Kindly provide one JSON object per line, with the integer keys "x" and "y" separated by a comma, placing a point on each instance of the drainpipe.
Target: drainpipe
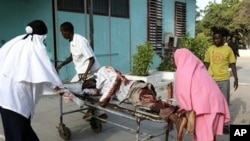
{"x": 55, "y": 34}
{"x": 91, "y": 24}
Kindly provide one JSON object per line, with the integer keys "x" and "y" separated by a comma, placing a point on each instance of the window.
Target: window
{"x": 120, "y": 8}
{"x": 180, "y": 19}
{"x": 71, "y": 5}
{"x": 114, "y": 8}
{"x": 155, "y": 23}
{"x": 101, "y": 7}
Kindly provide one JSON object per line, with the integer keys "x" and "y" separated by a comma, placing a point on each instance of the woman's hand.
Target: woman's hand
{"x": 59, "y": 90}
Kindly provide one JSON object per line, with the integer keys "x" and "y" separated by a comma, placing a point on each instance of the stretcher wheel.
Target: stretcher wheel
{"x": 96, "y": 125}
{"x": 64, "y": 132}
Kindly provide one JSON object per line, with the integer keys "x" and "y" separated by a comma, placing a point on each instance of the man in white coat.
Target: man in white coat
{"x": 81, "y": 53}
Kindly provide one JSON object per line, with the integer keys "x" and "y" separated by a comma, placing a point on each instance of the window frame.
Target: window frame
{"x": 154, "y": 22}
{"x": 180, "y": 19}
{"x": 108, "y": 8}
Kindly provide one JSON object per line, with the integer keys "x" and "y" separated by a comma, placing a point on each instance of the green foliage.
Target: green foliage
{"x": 215, "y": 15}
{"x": 166, "y": 65}
{"x": 197, "y": 45}
{"x": 231, "y": 14}
{"x": 143, "y": 59}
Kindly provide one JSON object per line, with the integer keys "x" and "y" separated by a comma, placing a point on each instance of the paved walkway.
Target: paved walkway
{"x": 47, "y": 117}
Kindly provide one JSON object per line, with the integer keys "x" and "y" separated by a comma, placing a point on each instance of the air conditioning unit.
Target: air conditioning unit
{"x": 168, "y": 40}
{"x": 177, "y": 41}
{"x": 172, "y": 41}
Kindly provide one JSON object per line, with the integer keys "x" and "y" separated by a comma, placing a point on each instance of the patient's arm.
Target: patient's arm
{"x": 106, "y": 96}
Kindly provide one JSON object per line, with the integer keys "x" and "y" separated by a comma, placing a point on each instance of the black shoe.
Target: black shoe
{"x": 226, "y": 130}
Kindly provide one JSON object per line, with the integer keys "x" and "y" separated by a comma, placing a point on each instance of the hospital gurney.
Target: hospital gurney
{"x": 124, "y": 110}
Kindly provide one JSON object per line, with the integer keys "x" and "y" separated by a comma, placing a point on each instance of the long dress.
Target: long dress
{"x": 196, "y": 90}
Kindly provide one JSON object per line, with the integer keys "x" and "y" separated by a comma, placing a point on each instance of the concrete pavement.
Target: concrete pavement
{"x": 47, "y": 116}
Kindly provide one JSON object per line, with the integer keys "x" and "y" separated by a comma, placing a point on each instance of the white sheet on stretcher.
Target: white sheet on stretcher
{"x": 68, "y": 96}
{"x": 76, "y": 88}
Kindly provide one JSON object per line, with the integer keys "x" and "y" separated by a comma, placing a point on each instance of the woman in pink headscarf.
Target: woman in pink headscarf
{"x": 196, "y": 90}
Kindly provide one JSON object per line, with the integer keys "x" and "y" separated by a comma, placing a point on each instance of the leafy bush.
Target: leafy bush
{"x": 166, "y": 65}
{"x": 143, "y": 59}
{"x": 197, "y": 45}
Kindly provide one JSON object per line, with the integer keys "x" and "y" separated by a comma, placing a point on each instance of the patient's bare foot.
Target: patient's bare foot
{"x": 190, "y": 115}
{"x": 180, "y": 126}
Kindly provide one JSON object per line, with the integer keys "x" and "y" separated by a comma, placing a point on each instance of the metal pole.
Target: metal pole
{"x": 86, "y": 19}
{"x": 55, "y": 35}
{"x": 91, "y": 24}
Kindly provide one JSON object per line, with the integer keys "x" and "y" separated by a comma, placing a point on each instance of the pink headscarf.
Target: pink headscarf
{"x": 195, "y": 89}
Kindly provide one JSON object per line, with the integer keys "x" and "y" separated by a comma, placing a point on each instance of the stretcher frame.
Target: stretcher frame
{"x": 136, "y": 114}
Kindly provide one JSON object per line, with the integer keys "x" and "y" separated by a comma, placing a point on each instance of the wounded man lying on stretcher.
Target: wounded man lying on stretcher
{"x": 110, "y": 82}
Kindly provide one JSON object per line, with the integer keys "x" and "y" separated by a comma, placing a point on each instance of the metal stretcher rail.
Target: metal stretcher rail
{"x": 122, "y": 110}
